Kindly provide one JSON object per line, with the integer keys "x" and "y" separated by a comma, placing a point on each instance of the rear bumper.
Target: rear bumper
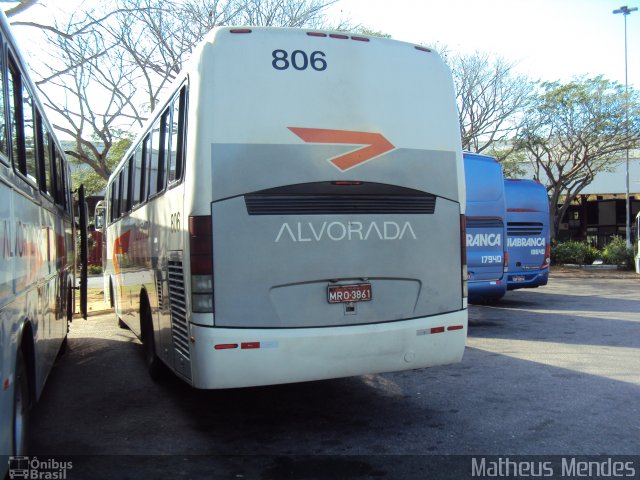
{"x": 487, "y": 290}
{"x": 531, "y": 279}
{"x": 274, "y": 356}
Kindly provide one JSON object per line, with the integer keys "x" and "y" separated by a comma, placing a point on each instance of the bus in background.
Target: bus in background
{"x": 37, "y": 269}
{"x": 528, "y": 242}
{"x": 486, "y": 255}
{"x": 302, "y": 220}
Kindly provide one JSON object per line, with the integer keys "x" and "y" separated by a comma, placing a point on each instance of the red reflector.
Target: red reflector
{"x": 225, "y": 346}
{"x": 316, "y": 34}
{"x": 201, "y": 264}
{"x": 200, "y": 226}
{"x": 423, "y": 49}
{"x": 346, "y": 182}
{"x": 240, "y": 30}
{"x": 360, "y": 39}
{"x": 336, "y": 35}
{"x": 437, "y": 330}
{"x": 246, "y": 345}
{"x": 201, "y": 245}
{"x": 455, "y": 327}
{"x": 199, "y": 248}
{"x": 6, "y": 384}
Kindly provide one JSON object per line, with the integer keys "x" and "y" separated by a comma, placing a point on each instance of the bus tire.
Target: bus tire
{"x": 155, "y": 366}
{"x": 20, "y": 406}
{"x": 111, "y": 299}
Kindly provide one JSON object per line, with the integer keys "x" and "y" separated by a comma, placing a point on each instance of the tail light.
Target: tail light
{"x": 463, "y": 255}
{"x": 506, "y": 262}
{"x": 201, "y": 247}
{"x": 547, "y": 256}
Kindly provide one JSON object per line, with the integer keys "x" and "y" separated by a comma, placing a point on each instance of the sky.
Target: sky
{"x": 547, "y": 39}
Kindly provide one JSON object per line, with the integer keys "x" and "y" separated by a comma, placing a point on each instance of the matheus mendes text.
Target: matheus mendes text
{"x": 568, "y": 467}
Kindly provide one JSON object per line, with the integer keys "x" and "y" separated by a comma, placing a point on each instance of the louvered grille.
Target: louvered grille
{"x": 524, "y": 228}
{"x": 266, "y": 204}
{"x": 160, "y": 293}
{"x": 179, "y": 326}
{"x": 481, "y": 222}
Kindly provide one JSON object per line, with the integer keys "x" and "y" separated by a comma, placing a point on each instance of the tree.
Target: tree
{"x": 112, "y": 63}
{"x": 93, "y": 182}
{"x": 22, "y": 6}
{"x": 573, "y": 131}
{"x": 491, "y": 99}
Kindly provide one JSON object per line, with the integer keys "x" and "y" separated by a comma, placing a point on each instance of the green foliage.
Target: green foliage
{"x": 362, "y": 30}
{"x": 581, "y": 253}
{"x": 94, "y": 269}
{"x": 573, "y": 252}
{"x": 617, "y": 253}
{"x": 574, "y": 131}
{"x": 512, "y": 162}
{"x": 93, "y": 182}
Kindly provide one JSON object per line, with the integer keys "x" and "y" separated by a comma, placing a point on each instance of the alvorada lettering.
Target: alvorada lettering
{"x": 337, "y": 231}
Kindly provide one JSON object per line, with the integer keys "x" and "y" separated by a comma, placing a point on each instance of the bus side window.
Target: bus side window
{"x": 163, "y": 149}
{"x": 4, "y": 153}
{"x": 29, "y": 135}
{"x": 112, "y": 204}
{"x": 59, "y": 180}
{"x": 15, "y": 116}
{"x": 22, "y": 124}
{"x": 153, "y": 150}
{"x": 45, "y": 178}
{"x": 138, "y": 176}
{"x": 177, "y": 137}
{"x": 124, "y": 174}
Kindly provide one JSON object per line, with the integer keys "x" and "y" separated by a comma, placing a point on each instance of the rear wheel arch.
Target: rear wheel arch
{"x": 112, "y": 301}
{"x": 155, "y": 366}
{"x": 27, "y": 349}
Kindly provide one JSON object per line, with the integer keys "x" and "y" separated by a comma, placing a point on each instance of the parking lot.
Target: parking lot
{"x": 547, "y": 371}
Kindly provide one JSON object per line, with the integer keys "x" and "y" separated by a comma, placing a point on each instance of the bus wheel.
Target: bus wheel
{"x": 20, "y": 406}
{"x": 154, "y": 364}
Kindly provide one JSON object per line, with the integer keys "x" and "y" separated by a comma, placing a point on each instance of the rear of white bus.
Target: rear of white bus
{"x": 326, "y": 213}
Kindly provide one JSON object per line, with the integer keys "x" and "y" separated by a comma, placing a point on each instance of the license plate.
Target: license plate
{"x": 518, "y": 278}
{"x": 360, "y": 292}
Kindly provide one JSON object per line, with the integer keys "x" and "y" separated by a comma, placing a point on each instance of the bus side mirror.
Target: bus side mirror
{"x": 99, "y": 220}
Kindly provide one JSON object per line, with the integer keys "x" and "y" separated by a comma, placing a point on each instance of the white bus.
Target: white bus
{"x": 37, "y": 232}
{"x": 292, "y": 212}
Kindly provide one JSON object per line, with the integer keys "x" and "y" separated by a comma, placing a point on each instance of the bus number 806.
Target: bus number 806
{"x": 298, "y": 60}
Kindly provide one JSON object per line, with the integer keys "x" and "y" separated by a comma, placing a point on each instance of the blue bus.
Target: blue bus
{"x": 527, "y": 233}
{"x": 486, "y": 210}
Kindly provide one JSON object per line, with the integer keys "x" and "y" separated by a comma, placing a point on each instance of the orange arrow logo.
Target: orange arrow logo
{"x": 374, "y": 144}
